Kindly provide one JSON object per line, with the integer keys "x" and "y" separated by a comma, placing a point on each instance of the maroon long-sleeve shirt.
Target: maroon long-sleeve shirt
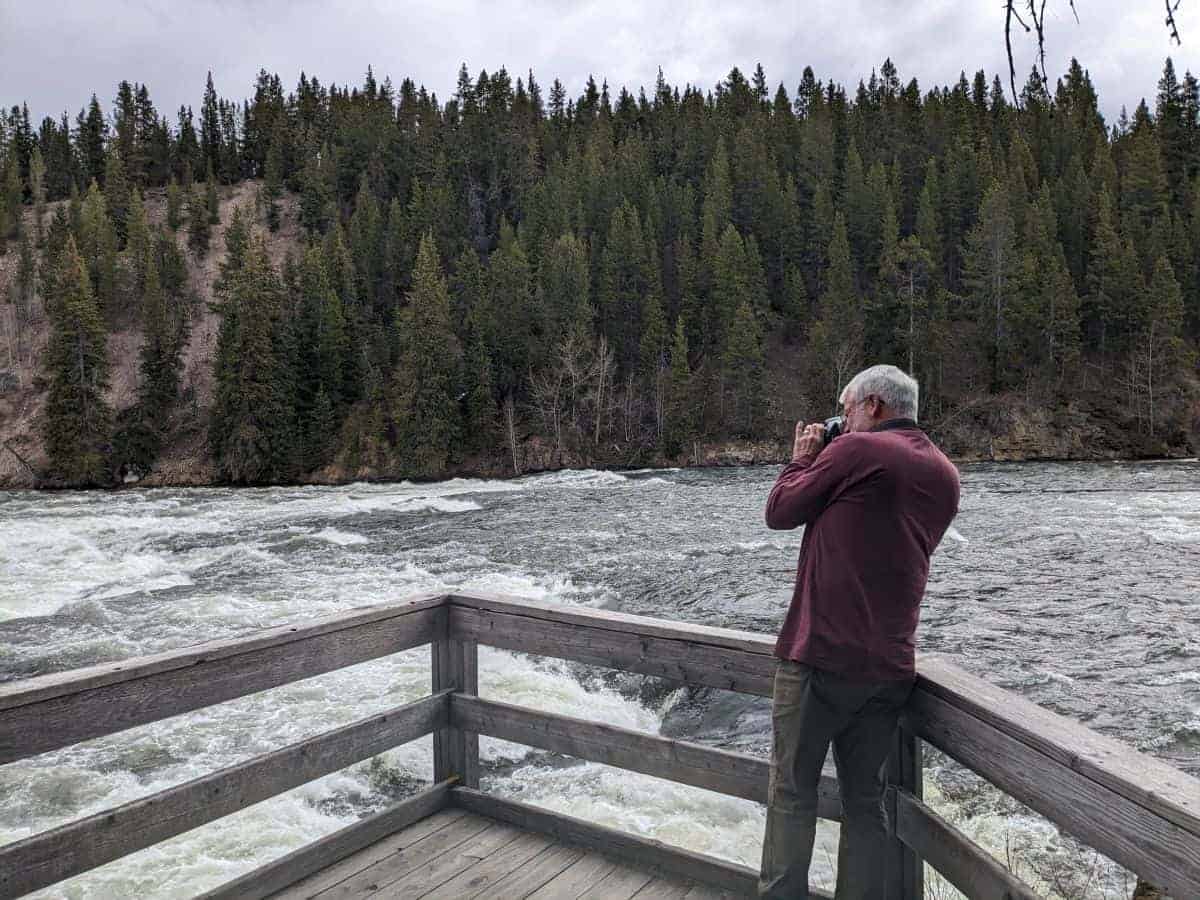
{"x": 875, "y": 505}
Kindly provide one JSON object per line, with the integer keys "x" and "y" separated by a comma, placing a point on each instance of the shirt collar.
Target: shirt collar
{"x": 890, "y": 424}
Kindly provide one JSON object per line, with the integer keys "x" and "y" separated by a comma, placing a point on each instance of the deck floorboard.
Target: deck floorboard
{"x": 459, "y": 855}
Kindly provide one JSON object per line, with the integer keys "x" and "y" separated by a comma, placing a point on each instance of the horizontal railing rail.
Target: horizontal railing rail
{"x": 1136, "y": 810}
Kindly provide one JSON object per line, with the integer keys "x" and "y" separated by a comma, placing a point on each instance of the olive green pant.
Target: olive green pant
{"x": 811, "y": 709}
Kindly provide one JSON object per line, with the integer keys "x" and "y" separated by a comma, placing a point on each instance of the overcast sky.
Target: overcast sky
{"x": 55, "y": 54}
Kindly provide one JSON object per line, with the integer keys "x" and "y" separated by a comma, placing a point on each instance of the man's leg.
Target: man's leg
{"x": 860, "y": 751}
{"x": 803, "y": 724}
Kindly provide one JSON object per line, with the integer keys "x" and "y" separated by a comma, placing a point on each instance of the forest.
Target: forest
{"x": 615, "y": 278}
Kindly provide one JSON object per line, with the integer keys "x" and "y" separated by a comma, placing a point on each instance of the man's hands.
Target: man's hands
{"x": 810, "y": 439}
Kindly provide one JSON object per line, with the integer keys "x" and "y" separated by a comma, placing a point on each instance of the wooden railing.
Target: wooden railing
{"x": 1138, "y": 811}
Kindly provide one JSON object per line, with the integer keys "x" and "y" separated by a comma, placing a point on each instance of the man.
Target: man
{"x": 875, "y": 502}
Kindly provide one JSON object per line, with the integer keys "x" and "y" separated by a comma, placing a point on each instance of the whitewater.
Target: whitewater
{"x": 1074, "y": 584}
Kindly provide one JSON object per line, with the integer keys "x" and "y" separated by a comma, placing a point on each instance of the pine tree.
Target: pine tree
{"x": 10, "y": 223}
{"x": 742, "y": 362}
{"x": 37, "y": 190}
{"x": 116, "y": 194}
{"x": 836, "y": 338}
{"x": 322, "y": 347}
{"x": 424, "y": 407}
{"x": 565, "y": 285}
{"x": 174, "y": 205}
{"x": 683, "y": 416}
{"x": 1113, "y": 284}
{"x": 98, "y": 247}
{"x": 929, "y": 224}
{"x": 199, "y": 226}
{"x": 273, "y": 186}
{"x": 137, "y": 240}
{"x": 252, "y": 421}
{"x": 1046, "y": 314}
{"x": 1159, "y": 349}
{"x": 990, "y": 259}
{"x": 78, "y": 421}
{"x": 211, "y": 202}
{"x": 513, "y": 338}
{"x": 481, "y": 413}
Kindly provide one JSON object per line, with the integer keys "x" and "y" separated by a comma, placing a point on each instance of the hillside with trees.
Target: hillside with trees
{"x": 341, "y": 282}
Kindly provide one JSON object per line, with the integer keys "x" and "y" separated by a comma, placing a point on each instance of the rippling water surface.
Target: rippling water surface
{"x": 1076, "y": 585}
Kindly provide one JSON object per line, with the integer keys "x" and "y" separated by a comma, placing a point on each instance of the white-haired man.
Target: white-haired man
{"x": 875, "y": 502}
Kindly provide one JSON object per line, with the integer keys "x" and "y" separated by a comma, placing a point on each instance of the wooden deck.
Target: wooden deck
{"x": 454, "y": 854}
{"x": 454, "y": 840}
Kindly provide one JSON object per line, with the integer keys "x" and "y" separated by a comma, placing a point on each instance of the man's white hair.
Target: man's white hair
{"x": 892, "y": 386}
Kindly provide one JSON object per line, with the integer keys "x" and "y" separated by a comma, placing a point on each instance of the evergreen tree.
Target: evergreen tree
{"x": 929, "y": 223}
{"x": 1046, "y": 314}
{"x": 990, "y": 259}
{"x": 137, "y": 240}
{"x": 98, "y": 247}
{"x": 116, "y": 194}
{"x": 1160, "y": 353}
{"x": 37, "y": 190}
{"x": 174, "y": 205}
{"x": 836, "y": 338}
{"x": 212, "y": 203}
{"x": 564, "y": 282}
{"x": 252, "y": 432}
{"x": 1113, "y": 284}
{"x": 424, "y": 407}
{"x": 10, "y": 223}
{"x": 683, "y": 417}
{"x": 742, "y": 362}
{"x": 321, "y": 342}
{"x": 199, "y": 226}
{"x": 160, "y": 361}
{"x": 273, "y": 185}
{"x": 78, "y": 421}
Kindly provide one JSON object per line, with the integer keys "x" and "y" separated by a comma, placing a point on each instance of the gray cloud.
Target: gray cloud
{"x": 55, "y": 55}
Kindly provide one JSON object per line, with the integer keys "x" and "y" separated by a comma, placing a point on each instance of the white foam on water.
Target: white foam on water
{"x": 341, "y": 538}
{"x": 577, "y": 478}
{"x": 955, "y": 535}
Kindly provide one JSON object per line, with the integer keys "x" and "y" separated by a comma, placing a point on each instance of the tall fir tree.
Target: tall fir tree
{"x": 78, "y": 421}
{"x": 424, "y": 407}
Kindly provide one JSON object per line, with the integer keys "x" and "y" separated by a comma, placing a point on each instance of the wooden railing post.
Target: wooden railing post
{"x": 456, "y": 752}
{"x": 905, "y": 869}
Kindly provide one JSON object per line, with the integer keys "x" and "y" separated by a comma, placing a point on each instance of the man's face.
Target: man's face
{"x": 860, "y": 414}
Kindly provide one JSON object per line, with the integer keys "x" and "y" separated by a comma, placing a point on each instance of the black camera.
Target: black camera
{"x": 834, "y": 427}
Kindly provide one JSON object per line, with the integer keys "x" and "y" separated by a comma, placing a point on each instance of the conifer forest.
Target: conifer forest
{"x": 398, "y": 285}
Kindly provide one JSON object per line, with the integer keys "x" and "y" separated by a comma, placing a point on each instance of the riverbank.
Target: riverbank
{"x": 991, "y": 429}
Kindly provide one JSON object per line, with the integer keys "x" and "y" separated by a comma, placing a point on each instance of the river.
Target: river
{"x": 1076, "y": 585}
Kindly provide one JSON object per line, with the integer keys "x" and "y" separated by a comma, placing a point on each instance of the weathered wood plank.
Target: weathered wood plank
{"x": 735, "y": 774}
{"x": 435, "y": 872}
{"x": 51, "y": 856}
{"x": 387, "y": 846}
{"x": 704, "y": 892}
{"x": 484, "y": 875}
{"x": 960, "y": 860}
{"x": 1141, "y": 778}
{"x": 647, "y": 626}
{"x": 455, "y": 750}
{"x": 323, "y": 855}
{"x": 905, "y": 871}
{"x": 542, "y": 869}
{"x": 1121, "y": 829}
{"x": 677, "y": 659}
{"x": 395, "y": 866}
{"x": 630, "y": 848}
{"x": 576, "y": 878}
{"x": 619, "y": 884}
{"x": 53, "y": 711}
{"x": 662, "y": 888}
